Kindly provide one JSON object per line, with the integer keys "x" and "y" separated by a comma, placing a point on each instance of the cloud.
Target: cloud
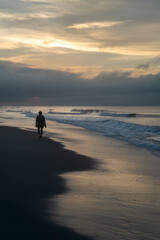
{"x": 144, "y": 66}
{"x": 20, "y": 83}
{"x": 94, "y": 25}
{"x": 47, "y": 28}
{"x": 152, "y": 62}
{"x": 138, "y": 35}
{"x": 28, "y": 16}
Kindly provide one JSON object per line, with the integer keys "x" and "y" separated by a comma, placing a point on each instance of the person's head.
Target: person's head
{"x": 40, "y": 112}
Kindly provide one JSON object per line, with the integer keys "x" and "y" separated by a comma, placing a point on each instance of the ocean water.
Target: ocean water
{"x": 139, "y": 126}
{"x": 120, "y": 198}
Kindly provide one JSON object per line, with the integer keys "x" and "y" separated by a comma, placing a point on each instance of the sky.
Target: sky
{"x": 80, "y": 52}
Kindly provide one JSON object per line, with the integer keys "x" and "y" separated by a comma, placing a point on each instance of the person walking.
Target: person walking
{"x": 40, "y": 123}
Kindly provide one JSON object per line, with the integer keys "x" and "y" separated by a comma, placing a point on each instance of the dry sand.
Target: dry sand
{"x": 29, "y": 175}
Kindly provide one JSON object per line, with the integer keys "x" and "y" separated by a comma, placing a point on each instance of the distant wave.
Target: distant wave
{"x": 104, "y": 113}
{"x": 29, "y": 114}
{"x": 110, "y": 114}
{"x": 65, "y": 113}
{"x": 85, "y": 111}
{"x": 6, "y": 117}
{"x": 89, "y": 111}
{"x": 13, "y": 111}
{"x": 77, "y": 112}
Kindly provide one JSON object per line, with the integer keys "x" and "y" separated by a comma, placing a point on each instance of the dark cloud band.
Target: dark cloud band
{"x": 20, "y": 83}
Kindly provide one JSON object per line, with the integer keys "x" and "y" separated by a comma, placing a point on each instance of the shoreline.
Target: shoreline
{"x": 115, "y": 200}
{"x": 118, "y": 198}
{"x": 29, "y": 175}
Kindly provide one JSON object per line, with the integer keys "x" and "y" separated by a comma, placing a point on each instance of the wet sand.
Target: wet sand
{"x": 29, "y": 173}
{"x": 119, "y": 199}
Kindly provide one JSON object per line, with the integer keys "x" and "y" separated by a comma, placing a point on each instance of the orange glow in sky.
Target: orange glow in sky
{"x": 81, "y": 35}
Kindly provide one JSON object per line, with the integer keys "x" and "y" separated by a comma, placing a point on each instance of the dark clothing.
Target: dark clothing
{"x": 40, "y": 123}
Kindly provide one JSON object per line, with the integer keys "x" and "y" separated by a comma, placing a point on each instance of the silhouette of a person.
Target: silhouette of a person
{"x": 40, "y": 123}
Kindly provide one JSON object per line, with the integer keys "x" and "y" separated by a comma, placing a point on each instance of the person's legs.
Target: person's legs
{"x": 38, "y": 130}
{"x": 41, "y": 131}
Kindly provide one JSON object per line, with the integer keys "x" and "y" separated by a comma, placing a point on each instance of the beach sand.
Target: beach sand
{"x": 29, "y": 175}
{"x": 48, "y": 192}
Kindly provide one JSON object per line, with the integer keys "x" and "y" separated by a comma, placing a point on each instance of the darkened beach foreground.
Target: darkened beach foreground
{"x": 29, "y": 175}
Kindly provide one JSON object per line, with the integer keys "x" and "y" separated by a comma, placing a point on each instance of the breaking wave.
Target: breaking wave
{"x": 140, "y": 135}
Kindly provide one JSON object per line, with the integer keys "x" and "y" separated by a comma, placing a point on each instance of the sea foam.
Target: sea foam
{"x": 111, "y": 124}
